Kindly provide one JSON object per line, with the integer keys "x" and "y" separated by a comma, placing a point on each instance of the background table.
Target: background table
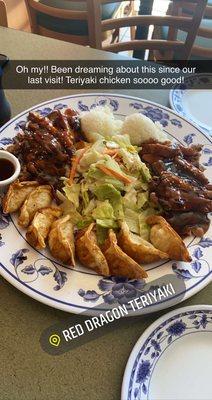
{"x": 93, "y": 371}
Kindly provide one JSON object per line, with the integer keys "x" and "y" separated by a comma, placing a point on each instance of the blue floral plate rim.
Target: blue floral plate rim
{"x": 84, "y": 297}
{"x": 176, "y": 100}
{"x": 141, "y": 362}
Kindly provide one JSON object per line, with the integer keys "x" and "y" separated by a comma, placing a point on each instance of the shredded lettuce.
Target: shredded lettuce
{"x": 109, "y": 192}
{"x": 104, "y": 215}
{"x": 142, "y": 199}
{"x": 97, "y": 175}
{"x": 101, "y": 234}
{"x": 131, "y": 218}
{"x": 104, "y": 199}
{"x": 84, "y": 193}
{"x": 90, "y": 157}
{"x": 146, "y": 213}
{"x": 112, "y": 145}
{"x": 107, "y": 223}
{"x": 90, "y": 207}
{"x": 112, "y": 164}
{"x": 68, "y": 208}
{"x": 144, "y": 185}
{"x": 72, "y": 193}
{"x": 131, "y": 160}
{"x": 118, "y": 210}
{"x": 144, "y": 231}
{"x": 84, "y": 223}
{"x": 136, "y": 221}
{"x": 104, "y": 210}
{"x": 130, "y": 199}
{"x": 124, "y": 143}
{"x": 145, "y": 172}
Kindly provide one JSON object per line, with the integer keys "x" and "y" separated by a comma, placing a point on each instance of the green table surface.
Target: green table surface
{"x": 95, "y": 370}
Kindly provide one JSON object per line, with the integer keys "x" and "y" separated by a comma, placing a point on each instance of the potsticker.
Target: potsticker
{"x": 137, "y": 248}
{"x": 164, "y": 238}
{"x": 40, "y": 197}
{"x": 16, "y": 195}
{"x": 89, "y": 253}
{"x": 120, "y": 263}
{"x": 61, "y": 240}
{"x": 39, "y": 228}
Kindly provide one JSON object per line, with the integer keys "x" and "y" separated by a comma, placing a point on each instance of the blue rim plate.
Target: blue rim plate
{"x": 79, "y": 290}
{"x": 172, "y": 359}
{"x": 192, "y": 102}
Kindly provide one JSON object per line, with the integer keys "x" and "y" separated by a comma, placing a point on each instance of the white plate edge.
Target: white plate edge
{"x": 145, "y": 335}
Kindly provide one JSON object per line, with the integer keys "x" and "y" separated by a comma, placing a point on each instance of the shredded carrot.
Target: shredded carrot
{"x": 81, "y": 145}
{"x": 118, "y": 158}
{"x": 113, "y": 153}
{"x": 110, "y": 152}
{"x": 75, "y": 162}
{"x": 114, "y": 174}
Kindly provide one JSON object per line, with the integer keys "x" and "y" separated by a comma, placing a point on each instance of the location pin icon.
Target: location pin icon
{"x": 54, "y": 340}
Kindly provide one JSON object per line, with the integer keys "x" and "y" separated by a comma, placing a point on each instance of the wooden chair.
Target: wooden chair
{"x": 202, "y": 48}
{"x": 175, "y": 48}
{"x": 3, "y": 14}
{"x": 74, "y": 25}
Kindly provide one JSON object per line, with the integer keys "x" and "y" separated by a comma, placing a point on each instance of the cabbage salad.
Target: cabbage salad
{"x": 108, "y": 184}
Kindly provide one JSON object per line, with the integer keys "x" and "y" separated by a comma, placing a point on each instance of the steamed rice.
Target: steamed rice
{"x": 141, "y": 128}
{"x": 100, "y": 122}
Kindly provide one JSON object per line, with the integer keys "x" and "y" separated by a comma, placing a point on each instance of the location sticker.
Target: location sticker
{"x": 54, "y": 340}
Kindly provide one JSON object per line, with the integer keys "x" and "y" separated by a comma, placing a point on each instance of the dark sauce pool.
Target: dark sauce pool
{"x": 7, "y": 169}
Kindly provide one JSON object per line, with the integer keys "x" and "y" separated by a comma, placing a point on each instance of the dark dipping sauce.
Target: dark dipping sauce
{"x": 7, "y": 169}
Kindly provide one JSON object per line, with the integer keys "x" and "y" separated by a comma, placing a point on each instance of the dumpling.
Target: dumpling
{"x": 89, "y": 253}
{"x": 61, "y": 240}
{"x": 39, "y": 228}
{"x": 121, "y": 264}
{"x": 164, "y": 238}
{"x": 16, "y": 195}
{"x": 40, "y": 197}
{"x": 137, "y": 248}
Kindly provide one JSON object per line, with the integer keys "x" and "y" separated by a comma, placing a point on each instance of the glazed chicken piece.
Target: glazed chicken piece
{"x": 179, "y": 185}
{"x": 172, "y": 197}
{"x": 161, "y": 150}
{"x": 45, "y": 146}
{"x": 189, "y": 223}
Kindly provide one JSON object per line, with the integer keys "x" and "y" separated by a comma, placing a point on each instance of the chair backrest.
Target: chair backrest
{"x": 34, "y": 7}
{"x": 190, "y": 24}
{"x": 3, "y": 14}
{"x": 189, "y": 7}
{"x": 204, "y": 32}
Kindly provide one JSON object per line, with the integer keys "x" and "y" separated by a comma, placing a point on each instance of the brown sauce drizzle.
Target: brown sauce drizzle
{"x": 179, "y": 186}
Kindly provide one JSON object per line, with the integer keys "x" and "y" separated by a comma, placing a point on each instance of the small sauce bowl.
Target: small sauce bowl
{"x": 9, "y": 168}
